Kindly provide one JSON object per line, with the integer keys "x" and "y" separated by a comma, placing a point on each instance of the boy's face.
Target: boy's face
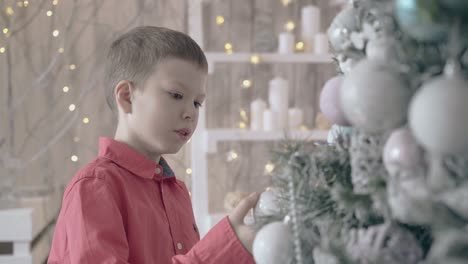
{"x": 164, "y": 110}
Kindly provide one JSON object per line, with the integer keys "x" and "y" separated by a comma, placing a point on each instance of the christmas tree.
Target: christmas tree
{"x": 390, "y": 185}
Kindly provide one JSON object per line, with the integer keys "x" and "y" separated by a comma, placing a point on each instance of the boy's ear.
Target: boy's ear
{"x": 123, "y": 95}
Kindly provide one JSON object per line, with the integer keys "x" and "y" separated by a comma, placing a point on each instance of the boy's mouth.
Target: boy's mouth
{"x": 184, "y": 132}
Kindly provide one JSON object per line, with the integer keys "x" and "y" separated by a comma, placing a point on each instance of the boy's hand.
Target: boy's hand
{"x": 245, "y": 233}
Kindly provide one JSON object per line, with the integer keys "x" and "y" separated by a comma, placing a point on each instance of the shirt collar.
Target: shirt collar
{"x": 132, "y": 160}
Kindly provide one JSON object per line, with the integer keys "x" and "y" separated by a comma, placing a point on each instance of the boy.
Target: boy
{"x": 127, "y": 206}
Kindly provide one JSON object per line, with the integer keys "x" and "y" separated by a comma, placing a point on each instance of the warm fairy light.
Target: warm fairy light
{"x": 243, "y": 114}
{"x": 188, "y": 171}
{"x": 246, "y": 83}
{"x": 66, "y": 89}
{"x": 72, "y": 107}
{"x": 254, "y": 59}
{"x": 242, "y": 125}
{"x": 74, "y": 158}
{"x": 286, "y": 2}
{"x": 55, "y": 33}
{"x": 5, "y": 30}
{"x": 219, "y": 20}
{"x": 2, "y": 49}
{"x": 269, "y": 167}
{"x": 228, "y": 46}
{"x": 232, "y": 155}
{"x": 55, "y": 2}
{"x": 61, "y": 50}
{"x": 304, "y": 128}
{"x": 49, "y": 13}
{"x": 300, "y": 46}
{"x": 76, "y": 139}
{"x": 9, "y": 10}
{"x": 72, "y": 67}
{"x": 289, "y": 26}
{"x": 85, "y": 120}
{"x": 25, "y": 3}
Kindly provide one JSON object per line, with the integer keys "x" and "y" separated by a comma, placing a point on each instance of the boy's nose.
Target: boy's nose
{"x": 189, "y": 113}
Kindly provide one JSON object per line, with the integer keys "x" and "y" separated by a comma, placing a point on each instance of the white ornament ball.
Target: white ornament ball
{"x": 268, "y": 204}
{"x": 273, "y": 244}
{"x": 438, "y": 115}
{"x": 340, "y": 29}
{"x": 374, "y": 96}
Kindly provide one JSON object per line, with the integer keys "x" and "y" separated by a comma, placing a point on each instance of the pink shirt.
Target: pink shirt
{"x": 125, "y": 208}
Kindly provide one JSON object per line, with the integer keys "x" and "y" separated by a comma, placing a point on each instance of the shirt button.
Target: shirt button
{"x": 179, "y": 246}
{"x": 158, "y": 170}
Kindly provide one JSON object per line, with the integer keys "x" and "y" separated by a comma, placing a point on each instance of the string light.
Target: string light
{"x": 72, "y": 107}
{"x": 2, "y": 49}
{"x": 219, "y": 20}
{"x": 5, "y": 30}
{"x": 286, "y": 2}
{"x": 246, "y": 83}
{"x": 55, "y": 33}
{"x": 269, "y": 167}
{"x": 300, "y": 46}
{"x": 242, "y": 125}
{"x": 228, "y": 47}
{"x": 55, "y": 2}
{"x": 255, "y": 59}
{"x": 61, "y": 50}
{"x": 74, "y": 158}
{"x": 66, "y": 89}
{"x": 232, "y": 155}
{"x": 304, "y": 128}
{"x": 72, "y": 67}
{"x": 76, "y": 139}
{"x": 49, "y": 13}
{"x": 25, "y": 3}
{"x": 289, "y": 26}
{"x": 188, "y": 171}
{"x": 243, "y": 114}
{"x": 9, "y": 10}
{"x": 85, "y": 120}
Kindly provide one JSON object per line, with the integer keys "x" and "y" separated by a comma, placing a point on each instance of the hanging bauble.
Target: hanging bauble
{"x": 330, "y": 102}
{"x": 401, "y": 151}
{"x": 268, "y": 203}
{"x": 374, "y": 96}
{"x": 340, "y": 29}
{"x": 424, "y": 20}
{"x": 273, "y": 244}
{"x": 438, "y": 114}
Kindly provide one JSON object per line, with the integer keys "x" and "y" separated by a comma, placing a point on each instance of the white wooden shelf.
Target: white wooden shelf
{"x": 21, "y": 226}
{"x": 221, "y": 57}
{"x": 213, "y": 136}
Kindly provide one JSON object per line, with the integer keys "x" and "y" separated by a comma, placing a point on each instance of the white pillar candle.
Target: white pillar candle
{"x": 278, "y": 100}
{"x": 310, "y": 26}
{"x": 295, "y": 118}
{"x": 321, "y": 44}
{"x": 270, "y": 120}
{"x": 257, "y": 108}
{"x": 286, "y": 43}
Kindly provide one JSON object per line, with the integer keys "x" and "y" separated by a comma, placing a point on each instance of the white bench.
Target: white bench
{"x": 26, "y": 231}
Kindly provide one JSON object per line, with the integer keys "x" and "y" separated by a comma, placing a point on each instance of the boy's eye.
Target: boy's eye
{"x": 176, "y": 95}
{"x": 197, "y": 104}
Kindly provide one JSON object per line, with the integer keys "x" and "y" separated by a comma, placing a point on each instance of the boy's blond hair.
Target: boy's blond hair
{"x": 134, "y": 55}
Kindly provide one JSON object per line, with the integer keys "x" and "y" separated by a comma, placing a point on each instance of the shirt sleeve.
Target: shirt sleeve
{"x": 94, "y": 225}
{"x": 219, "y": 245}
